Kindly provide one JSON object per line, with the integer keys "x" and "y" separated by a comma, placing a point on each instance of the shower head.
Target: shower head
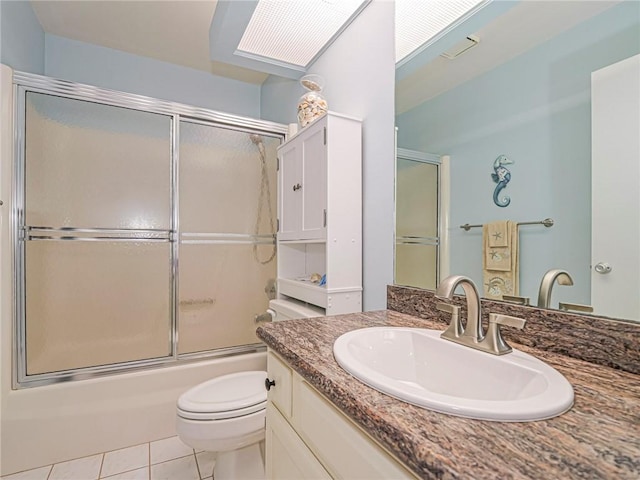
{"x": 257, "y": 139}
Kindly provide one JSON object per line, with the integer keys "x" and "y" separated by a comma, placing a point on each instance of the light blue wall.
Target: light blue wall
{"x": 359, "y": 72}
{"x": 279, "y": 99}
{"x": 21, "y": 37}
{"x": 113, "y": 69}
{"x": 536, "y": 110}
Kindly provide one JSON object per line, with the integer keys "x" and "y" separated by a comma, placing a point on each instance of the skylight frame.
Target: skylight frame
{"x": 281, "y": 61}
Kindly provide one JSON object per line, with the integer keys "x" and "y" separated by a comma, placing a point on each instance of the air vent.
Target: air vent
{"x": 459, "y": 48}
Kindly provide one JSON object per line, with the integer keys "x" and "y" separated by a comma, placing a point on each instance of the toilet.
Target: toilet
{"x": 227, "y": 415}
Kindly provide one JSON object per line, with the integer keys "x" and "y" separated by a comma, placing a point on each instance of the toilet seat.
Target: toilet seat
{"x": 228, "y": 396}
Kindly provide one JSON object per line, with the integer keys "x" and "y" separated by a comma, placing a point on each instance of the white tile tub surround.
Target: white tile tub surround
{"x": 165, "y": 459}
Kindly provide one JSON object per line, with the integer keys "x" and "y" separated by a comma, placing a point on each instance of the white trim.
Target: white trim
{"x": 444, "y": 215}
{"x": 418, "y": 156}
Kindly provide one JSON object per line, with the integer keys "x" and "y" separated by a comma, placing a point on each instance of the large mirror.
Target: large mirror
{"x": 518, "y": 105}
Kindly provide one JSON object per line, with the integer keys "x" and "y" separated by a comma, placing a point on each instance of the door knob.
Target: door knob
{"x": 602, "y": 268}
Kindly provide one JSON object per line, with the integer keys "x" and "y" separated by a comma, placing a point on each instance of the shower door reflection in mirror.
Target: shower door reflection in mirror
{"x": 227, "y": 204}
{"x": 418, "y": 241}
{"x": 97, "y": 217}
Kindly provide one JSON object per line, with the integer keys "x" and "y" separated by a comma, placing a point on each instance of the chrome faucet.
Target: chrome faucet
{"x": 548, "y": 280}
{"x": 472, "y": 334}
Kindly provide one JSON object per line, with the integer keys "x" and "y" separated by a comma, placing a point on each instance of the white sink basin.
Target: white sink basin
{"x": 417, "y": 366}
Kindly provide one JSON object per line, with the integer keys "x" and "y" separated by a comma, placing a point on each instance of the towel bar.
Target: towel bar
{"x": 547, "y": 222}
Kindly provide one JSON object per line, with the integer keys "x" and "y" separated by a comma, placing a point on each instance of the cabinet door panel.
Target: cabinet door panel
{"x": 280, "y": 393}
{"x": 343, "y": 449}
{"x": 288, "y": 458}
{"x": 290, "y": 198}
{"x": 314, "y": 186}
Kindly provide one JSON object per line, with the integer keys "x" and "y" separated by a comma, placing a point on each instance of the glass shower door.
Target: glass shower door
{"x": 96, "y": 229}
{"x": 416, "y": 255}
{"x": 227, "y": 205}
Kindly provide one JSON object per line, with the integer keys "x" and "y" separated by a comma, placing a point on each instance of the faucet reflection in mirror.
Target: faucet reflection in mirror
{"x": 548, "y": 280}
{"x": 472, "y": 334}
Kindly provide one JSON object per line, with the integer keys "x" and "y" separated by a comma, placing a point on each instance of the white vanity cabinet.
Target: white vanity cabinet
{"x": 308, "y": 438}
{"x": 320, "y": 214}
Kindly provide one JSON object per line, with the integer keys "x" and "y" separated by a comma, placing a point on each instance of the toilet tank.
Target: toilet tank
{"x": 291, "y": 309}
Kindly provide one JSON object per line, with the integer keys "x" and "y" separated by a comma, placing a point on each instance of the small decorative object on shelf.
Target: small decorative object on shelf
{"x": 312, "y": 104}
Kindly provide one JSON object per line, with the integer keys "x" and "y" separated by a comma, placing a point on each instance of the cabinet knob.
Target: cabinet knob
{"x": 269, "y": 383}
{"x": 296, "y": 187}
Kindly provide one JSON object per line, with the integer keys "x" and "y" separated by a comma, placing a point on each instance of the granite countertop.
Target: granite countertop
{"x": 598, "y": 438}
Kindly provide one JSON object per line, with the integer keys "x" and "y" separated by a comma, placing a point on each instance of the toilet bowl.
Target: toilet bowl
{"x": 227, "y": 415}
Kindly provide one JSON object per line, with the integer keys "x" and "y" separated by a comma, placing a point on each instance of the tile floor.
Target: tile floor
{"x": 167, "y": 459}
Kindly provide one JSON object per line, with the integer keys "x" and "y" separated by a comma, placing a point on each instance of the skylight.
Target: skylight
{"x": 419, "y": 22}
{"x": 295, "y": 32}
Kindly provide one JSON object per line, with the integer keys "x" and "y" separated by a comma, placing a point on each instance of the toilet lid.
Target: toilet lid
{"x": 227, "y": 396}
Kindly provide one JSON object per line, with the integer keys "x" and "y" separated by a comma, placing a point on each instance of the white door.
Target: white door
{"x": 615, "y": 173}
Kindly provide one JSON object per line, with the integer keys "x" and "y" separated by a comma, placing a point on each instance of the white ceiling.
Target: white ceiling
{"x": 172, "y": 31}
{"x": 177, "y": 31}
{"x": 521, "y": 28}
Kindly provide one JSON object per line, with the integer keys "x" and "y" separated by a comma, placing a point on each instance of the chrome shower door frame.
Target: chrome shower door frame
{"x": 26, "y": 82}
{"x": 442, "y": 225}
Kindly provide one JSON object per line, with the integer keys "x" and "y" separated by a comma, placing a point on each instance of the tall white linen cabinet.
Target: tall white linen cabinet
{"x": 320, "y": 214}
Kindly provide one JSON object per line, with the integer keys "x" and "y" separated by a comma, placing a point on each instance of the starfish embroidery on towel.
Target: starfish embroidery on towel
{"x": 494, "y": 255}
{"x": 497, "y": 235}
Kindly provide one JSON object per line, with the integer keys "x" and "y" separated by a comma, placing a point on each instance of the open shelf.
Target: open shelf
{"x": 305, "y": 291}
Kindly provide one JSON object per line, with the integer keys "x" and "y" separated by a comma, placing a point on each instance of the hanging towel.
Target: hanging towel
{"x": 500, "y": 259}
{"x": 498, "y": 234}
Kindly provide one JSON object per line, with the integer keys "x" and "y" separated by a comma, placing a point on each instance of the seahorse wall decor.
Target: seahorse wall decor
{"x": 501, "y": 176}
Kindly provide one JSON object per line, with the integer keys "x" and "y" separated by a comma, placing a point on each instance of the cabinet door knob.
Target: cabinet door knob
{"x": 297, "y": 186}
{"x": 269, "y": 383}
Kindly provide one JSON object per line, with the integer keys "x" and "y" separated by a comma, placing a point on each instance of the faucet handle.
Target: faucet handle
{"x": 515, "y": 299}
{"x": 507, "y": 320}
{"x": 494, "y": 339}
{"x": 566, "y": 306}
{"x": 448, "y": 308}
{"x": 455, "y": 326}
